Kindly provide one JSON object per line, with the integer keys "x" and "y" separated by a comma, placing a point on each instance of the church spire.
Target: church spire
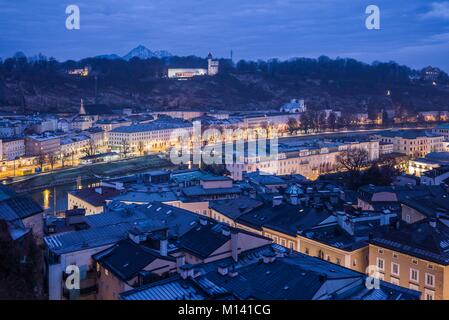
{"x": 82, "y": 110}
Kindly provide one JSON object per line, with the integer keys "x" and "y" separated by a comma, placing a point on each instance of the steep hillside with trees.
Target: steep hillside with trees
{"x": 42, "y": 84}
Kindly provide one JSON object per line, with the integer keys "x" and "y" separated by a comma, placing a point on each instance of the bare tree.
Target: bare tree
{"x": 141, "y": 147}
{"x": 90, "y": 148}
{"x": 125, "y": 147}
{"x": 292, "y": 125}
{"x": 332, "y": 121}
{"x": 52, "y": 158}
{"x": 72, "y": 156}
{"x": 41, "y": 160}
{"x": 305, "y": 122}
{"x": 62, "y": 156}
{"x": 353, "y": 160}
{"x": 265, "y": 127}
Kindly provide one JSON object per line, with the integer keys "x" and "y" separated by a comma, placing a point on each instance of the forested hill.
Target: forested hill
{"x": 348, "y": 85}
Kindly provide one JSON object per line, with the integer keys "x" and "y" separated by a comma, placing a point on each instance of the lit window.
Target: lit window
{"x": 395, "y": 268}
{"x": 414, "y": 275}
{"x": 380, "y": 264}
{"x": 430, "y": 280}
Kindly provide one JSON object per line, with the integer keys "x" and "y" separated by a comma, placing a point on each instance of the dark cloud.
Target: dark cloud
{"x": 412, "y": 31}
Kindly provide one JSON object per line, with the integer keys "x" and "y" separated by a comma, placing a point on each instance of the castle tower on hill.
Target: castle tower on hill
{"x": 212, "y": 65}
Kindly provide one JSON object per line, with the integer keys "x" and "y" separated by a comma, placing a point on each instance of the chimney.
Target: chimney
{"x": 223, "y": 269}
{"x": 225, "y": 231}
{"x": 203, "y": 221}
{"x": 163, "y": 247}
{"x": 277, "y": 200}
{"x": 232, "y": 272}
{"x": 269, "y": 257}
{"x": 235, "y": 245}
{"x": 136, "y": 235}
{"x": 180, "y": 261}
{"x": 186, "y": 271}
{"x": 433, "y": 222}
{"x": 294, "y": 199}
{"x": 385, "y": 218}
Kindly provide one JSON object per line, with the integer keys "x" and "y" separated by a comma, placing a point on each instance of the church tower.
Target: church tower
{"x": 82, "y": 110}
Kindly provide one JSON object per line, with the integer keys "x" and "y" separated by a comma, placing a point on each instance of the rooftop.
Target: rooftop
{"x": 234, "y": 208}
{"x": 126, "y": 259}
{"x": 204, "y": 239}
{"x": 291, "y": 276}
{"x": 284, "y": 218}
{"x": 146, "y": 197}
{"x": 95, "y": 196}
{"x": 408, "y": 134}
{"x": 420, "y": 240}
{"x": 197, "y": 191}
{"x": 112, "y": 226}
{"x": 162, "y": 124}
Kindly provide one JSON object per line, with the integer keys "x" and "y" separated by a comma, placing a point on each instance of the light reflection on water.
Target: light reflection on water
{"x": 46, "y": 197}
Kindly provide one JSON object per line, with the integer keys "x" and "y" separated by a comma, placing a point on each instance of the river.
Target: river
{"x": 46, "y": 197}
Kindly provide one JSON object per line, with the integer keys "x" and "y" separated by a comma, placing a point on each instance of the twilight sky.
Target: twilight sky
{"x": 413, "y": 32}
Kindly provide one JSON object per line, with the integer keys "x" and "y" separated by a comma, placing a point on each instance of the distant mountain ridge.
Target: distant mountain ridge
{"x": 140, "y": 52}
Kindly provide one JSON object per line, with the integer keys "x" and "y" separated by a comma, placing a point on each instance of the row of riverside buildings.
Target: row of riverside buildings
{"x": 100, "y": 130}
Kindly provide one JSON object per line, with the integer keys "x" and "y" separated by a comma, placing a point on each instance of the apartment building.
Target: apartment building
{"x": 442, "y": 129}
{"x": 413, "y": 143}
{"x": 111, "y": 124}
{"x": 12, "y": 149}
{"x": 310, "y": 159}
{"x": 278, "y": 120}
{"x": 75, "y": 144}
{"x": 157, "y": 135}
{"x": 44, "y": 144}
{"x": 92, "y": 200}
{"x": 431, "y": 161}
{"x": 415, "y": 256}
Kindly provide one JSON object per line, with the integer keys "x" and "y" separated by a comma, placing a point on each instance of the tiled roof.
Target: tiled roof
{"x": 285, "y": 218}
{"x": 234, "y": 208}
{"x": 196, "y": 191}
{"x": 203, "y": 240}
{"x": 155, "y": 125}
{"x": 141, "y": 197}
{"x": 126, "y": 259}
{"x": 91, "y": 196}
{"x": 291, "y": 276}
{"x": 110, "y": 227}
{"x": 171, "y": 289}
{"x": 22, "y": 206}
{"x": 419, "y": 240}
